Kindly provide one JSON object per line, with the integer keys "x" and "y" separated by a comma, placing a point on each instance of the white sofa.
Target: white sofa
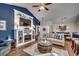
{"x": 55, "y": 38}
{"x": 56, "y": 41}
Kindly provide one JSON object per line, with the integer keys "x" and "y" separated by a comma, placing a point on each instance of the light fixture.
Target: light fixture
{"x": 42, "y": 8}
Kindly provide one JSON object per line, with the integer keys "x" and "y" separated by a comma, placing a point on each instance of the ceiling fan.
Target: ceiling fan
{"x": 42, "y": 6}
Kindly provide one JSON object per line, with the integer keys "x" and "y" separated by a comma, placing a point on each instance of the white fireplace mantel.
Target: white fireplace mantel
{"x": 19, "y": 30}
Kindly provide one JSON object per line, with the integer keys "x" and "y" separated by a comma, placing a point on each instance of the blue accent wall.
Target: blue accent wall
{"x": 7, "y": 13}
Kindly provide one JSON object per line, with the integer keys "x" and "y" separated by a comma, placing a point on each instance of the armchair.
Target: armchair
{"x": 4, "y": 50}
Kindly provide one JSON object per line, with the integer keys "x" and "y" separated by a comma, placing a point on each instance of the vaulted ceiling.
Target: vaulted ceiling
{"x": 57, "y": 11}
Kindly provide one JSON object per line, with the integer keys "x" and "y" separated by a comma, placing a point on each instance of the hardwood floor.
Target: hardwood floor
{"x": 19, "y": 51}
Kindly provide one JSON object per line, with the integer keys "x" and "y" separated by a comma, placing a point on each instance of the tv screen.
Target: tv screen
{"x": 25, "y": 22}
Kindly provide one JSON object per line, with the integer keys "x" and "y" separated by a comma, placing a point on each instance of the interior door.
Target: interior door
{"x": 44, "y": 31}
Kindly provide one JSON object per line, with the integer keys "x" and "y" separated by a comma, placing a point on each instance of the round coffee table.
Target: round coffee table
{"x": 44, "y": 46}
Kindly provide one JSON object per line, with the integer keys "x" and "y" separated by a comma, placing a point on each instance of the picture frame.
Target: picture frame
{"x": 62, "y": 28}
{"x": 2, "y": 25}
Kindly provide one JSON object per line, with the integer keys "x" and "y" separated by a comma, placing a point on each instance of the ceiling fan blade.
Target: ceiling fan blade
{"x": 35, "y": 6}
{"x": 46, "y": 8}
{"x": 48, "y": 3}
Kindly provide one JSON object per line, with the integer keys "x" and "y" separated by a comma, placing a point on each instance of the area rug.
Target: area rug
{"x": 32, "y": 50}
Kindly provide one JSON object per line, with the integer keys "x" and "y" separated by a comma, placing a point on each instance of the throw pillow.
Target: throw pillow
{"x": 1, "y": 41}
{"x": 3, "y": 44}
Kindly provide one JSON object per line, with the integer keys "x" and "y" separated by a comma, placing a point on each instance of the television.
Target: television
{"x": 25, "y": 22}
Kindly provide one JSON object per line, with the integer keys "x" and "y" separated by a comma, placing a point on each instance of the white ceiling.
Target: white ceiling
{"x": 56, "y": 12}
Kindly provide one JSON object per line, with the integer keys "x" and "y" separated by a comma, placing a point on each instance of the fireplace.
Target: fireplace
{"x": 27, "y": 38}
{"x": 23, "y": 28}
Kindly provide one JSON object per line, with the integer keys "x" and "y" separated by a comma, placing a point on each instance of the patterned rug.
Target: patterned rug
{"x": 32, "y": 50}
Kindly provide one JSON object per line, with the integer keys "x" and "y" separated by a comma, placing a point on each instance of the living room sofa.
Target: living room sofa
{"x": 57, "y": 38}
{"x": 56, "y": 41}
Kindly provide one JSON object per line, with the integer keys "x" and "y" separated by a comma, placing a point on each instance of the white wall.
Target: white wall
{"x": 70, "y": 27}
{"x": 77, "y": 26}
